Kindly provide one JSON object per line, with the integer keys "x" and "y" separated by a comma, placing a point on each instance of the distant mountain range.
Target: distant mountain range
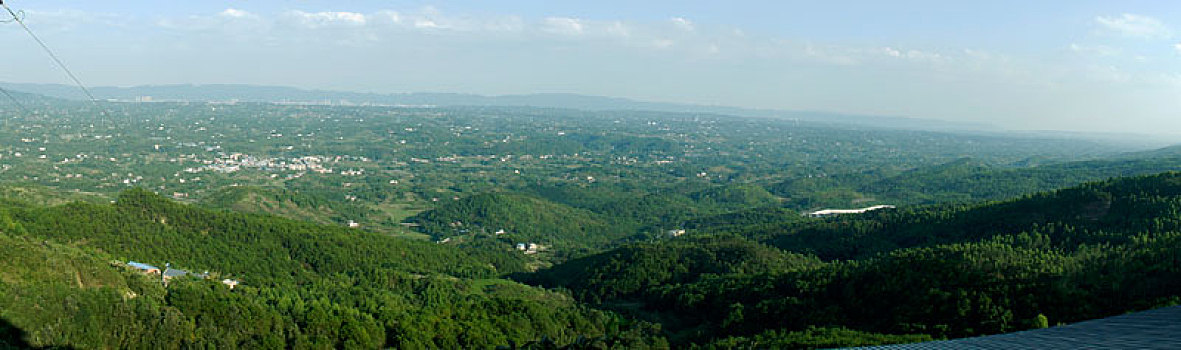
{"x": 255, "y": 93}
{"x": 280, "y": 94}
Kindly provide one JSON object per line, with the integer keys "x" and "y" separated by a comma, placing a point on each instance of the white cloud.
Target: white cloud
{"x": 828, "y": 55}
{"x": 618, "y": 29}
{"x": 676, "y": 35}
{"x": 912, "y": 55}
{"x": 65, "y": 20}
{"x": 1094, "y": 50}
{"x": 1135, "y": 26}
{"x": 924, "y": 56}
{"x": 563, "y": 25}
{"x": 426, "y": 23}
{"x": 392, "y": 16}
{"x": 236, "y": 13}
{"x": 321, "y": 19}
{"x": 483, "y": 52}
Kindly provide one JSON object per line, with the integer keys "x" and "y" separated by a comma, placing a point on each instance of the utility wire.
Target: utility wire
{"x": 93, "y": 101}
{"x": 51, "y": 55}
{"x": 15, "y": 101}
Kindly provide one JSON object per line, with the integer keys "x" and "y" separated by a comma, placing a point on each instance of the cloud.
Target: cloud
{"x": 827, "y": 55}
{"x": 676, "y": 36}
{"x": 322, "y": 19}
{"x": 66, "y": 20}
{"x": 1094, "y": 50}
{"x": 925, "y": 56}
{"x": 852, "y": 55}
{"x": 423, "y": 48}
{"x": 563, "y": 25}
{"x": 1137, "y": 26}
{"x": 593, "y": 30}
{"x": 236, "y": 13}
{"x": 618, "y": 29}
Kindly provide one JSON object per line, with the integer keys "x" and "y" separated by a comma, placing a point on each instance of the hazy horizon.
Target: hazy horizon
{"x": 1079, "y": 66}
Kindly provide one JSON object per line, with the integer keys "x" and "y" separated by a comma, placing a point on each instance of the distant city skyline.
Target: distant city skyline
{"x": 1081, "y": 65}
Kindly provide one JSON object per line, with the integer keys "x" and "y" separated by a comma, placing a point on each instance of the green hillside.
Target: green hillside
{"x": 285, "y": 203}
{"x": 1090, "y": 251}
{"x": 303, "y": 285}
{"x": 735, "y": 197}
{"x": 519, "y": 217}
{"x": 966, "y": 180}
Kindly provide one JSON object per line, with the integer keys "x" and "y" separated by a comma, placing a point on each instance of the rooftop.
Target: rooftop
{"x": 141, "y": 266}
{"x": 1153, "y": 329}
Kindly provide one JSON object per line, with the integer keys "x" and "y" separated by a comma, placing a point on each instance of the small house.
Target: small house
{"x": 170, "y": 273}
{"x": 143, "y": 268}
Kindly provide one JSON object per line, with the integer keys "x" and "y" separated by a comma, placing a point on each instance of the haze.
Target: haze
{"x": 1083, "y": 66}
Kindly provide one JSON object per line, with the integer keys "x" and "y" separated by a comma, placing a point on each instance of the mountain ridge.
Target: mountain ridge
{"x": 262, "y": 93}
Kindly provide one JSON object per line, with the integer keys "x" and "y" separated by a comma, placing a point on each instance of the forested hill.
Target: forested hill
{"x": 1095, "y": 250}
{"x": 286, "y": 203}
{"x": 1104, "y": 212}
{"x": 146, "y": 227}
{"x": 968, "y": 180}
{"x": 64, "y": 283}
{"x": 521, "y": 217}
{"x": 572, "y": 219}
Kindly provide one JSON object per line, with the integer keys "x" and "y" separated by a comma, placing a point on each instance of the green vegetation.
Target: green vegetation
{"x": 516, "y": 217}
{"x": 482, "y": 227}
{"x": 1092, "y": 251}
{"x": 812, "y": 338}
{"x": 303, "y": 285}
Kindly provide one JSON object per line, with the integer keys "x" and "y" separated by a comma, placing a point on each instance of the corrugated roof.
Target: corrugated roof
{"x": 141, "y": 266}
{"x": 1153, "y": 329}
{"x": 175, "y": 272}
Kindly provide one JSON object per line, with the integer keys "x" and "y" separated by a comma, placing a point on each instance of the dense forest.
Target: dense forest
{"x": 1091, "y": 251}
{"x": 779, "y": 280}
{"x": 302, "y": 285}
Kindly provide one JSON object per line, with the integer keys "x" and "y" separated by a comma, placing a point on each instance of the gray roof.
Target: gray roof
{"x": 1153, "y": 329}
{"x": 174, "y": 272}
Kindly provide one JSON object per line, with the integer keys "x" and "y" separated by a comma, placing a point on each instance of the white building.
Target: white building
{"x": 833, "y": 212}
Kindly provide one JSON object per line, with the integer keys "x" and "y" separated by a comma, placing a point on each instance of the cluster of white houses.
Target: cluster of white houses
{"x": 228, "y": 163}
{"x": 530, "y": 248}
{"x": 169, "y": 273}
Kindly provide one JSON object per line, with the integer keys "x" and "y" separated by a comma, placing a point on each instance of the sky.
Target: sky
{"x": 1107, "y": 66}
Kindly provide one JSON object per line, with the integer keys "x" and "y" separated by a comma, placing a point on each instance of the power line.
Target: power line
{"x": 51, "y": 54}
{"x": 15, "y": 101}
{"x": 102, "y": 112}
